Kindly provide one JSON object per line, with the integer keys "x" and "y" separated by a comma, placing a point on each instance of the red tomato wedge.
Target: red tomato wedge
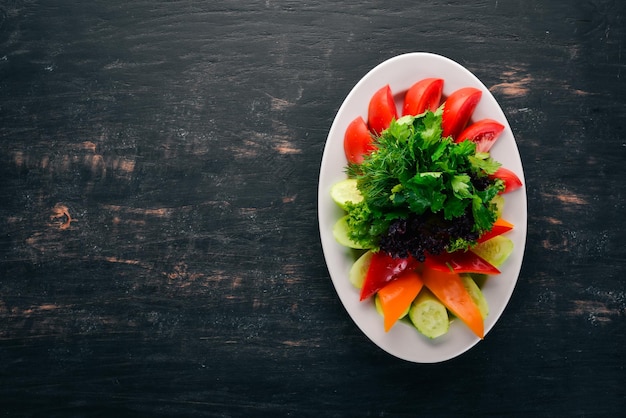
{"x": 458, "y": 109}
{"x": 423, "y": 95}
{"x": 484, "y": 133}
{"x": 358, "y": 141}
{"x": 510, "y": 179}
{"x": 381, "y": 110}
{"x": 396, "y": 297}
{"x": 449, "y": 289}
{"x": 500, "y": 227}
{"x": 383, "y": 269}
{"x": 460, "y": 262}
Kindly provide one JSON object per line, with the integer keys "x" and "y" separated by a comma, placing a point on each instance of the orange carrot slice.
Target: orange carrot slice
{"x": 396, "y": 297}
{"x": 448, "y": 288}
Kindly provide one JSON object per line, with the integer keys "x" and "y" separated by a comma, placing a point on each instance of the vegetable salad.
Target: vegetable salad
{"x": 423, "y": 201}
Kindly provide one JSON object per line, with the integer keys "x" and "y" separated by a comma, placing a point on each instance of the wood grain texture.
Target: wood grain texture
{"x": 159, "y": 248}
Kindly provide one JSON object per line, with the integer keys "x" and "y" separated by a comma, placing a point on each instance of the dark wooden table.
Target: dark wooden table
{"x": 159, "y": 245}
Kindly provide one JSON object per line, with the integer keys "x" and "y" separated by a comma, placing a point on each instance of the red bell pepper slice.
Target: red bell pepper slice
{"x": 460, "y": 262}
{"x": 383, "y": 269}
{"x": 500, "y": 226}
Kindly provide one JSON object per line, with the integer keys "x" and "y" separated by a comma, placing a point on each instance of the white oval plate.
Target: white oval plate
{"x": 403, "y": 341}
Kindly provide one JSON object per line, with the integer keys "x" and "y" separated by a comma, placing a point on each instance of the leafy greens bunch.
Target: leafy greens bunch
{"x": 422, "y": 193}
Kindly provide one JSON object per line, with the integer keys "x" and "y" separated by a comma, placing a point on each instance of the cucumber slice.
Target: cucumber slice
{"x": 379, "y": 307}
{"x": 340, "y": 232}
{"x": 495, "y": 250}
{"x": 358, "y": 271}
{"x": 479, "y": 278}
{"x": 429, "y": 315}
{"x": 499, "y": 202}
{"x": 345, "y": 191}
{"x": 476, "y": 294}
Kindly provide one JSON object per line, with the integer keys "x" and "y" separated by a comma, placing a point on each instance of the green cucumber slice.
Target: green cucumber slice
{"x": 345, "y": 191}
{"x": 498, "y": 200}
{"x": 358, "y": 271}
{"x": 429, "y": 315}
{"x": 340, "y": 232}
{"x": 495, "y": 250}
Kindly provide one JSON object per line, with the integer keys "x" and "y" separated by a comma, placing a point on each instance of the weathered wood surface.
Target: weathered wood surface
{"x": 159, "y": 249}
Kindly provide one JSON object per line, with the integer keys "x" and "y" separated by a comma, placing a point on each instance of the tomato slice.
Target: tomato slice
{"x": 358, "y": 141}
{"x": 460, "y": 262}
{"x": 381, "y": 110}
{"x": 458, "y": 109}
{"x": 510, "y": 179}
{"x": 500, "y": 227}
{"x": 383, "y": 269}
{"x": 422, "y": 96}
{"x": 484, "y": 133}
